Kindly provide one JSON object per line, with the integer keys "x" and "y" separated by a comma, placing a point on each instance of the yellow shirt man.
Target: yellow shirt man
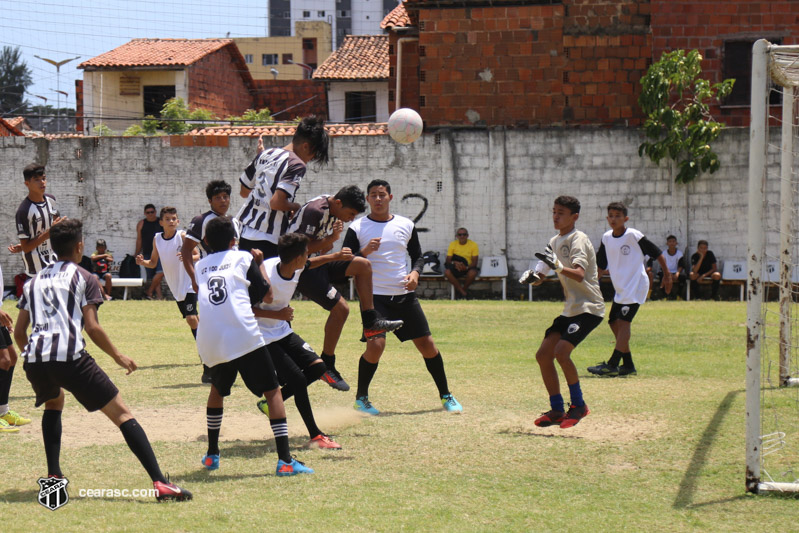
{"x": 461, "y": 262}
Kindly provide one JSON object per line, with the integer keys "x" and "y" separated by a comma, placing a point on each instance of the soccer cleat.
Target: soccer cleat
{"x": 379, "y": 326}
{"x": 263, "y": 406}
{"x": 13, "y": 419}
{"x": 324, "y": 442}
{"x": 334, "y": 379}
{"x": 627, "y": 371}
{"x": 170, "y": 491}
{"x": 451, "y": 404}
{"x": 363, "y": 405}
{"x": 291, "y": 469}
{"x": 5, "y": 427}
{"x": 574, "y": 415}
{"x": 211, "y": 461}
{"x": 550, "y": 418}
{"x": 605, "y": 370}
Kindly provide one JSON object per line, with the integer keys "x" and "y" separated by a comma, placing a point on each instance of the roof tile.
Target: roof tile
{"x": 397, "y": 18}
{"x": 360, "y": 57}
{"x": 156, "y": 53}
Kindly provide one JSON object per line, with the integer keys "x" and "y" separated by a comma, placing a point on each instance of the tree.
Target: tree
{"x": 262, "y": 117}
{"x": 15, "y": 78}
{"x": 678, "y": 121}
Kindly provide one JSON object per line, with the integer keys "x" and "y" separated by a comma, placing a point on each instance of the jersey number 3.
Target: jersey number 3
{"x": 217, "y": 290}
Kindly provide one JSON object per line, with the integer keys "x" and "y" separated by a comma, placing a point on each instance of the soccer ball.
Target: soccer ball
{"x": 405, "y": 125}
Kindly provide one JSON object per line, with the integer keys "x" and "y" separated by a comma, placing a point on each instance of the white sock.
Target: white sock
{"x": 3, "y": 409}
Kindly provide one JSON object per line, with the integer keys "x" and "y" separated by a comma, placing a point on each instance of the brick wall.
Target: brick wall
{"x": 284, "y": 94}
{"x": 409, "y": 77}
{"x": 216, "y": 85}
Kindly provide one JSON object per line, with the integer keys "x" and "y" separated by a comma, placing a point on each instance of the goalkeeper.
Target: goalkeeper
{"x": 570, "y": 254}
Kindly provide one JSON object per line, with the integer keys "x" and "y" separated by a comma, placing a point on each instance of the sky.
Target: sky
{"x": 64, "y": 29}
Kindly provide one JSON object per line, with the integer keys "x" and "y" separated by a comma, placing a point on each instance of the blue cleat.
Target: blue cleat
{"x": 291, "y": 469}
{"x": 451, "y": 404}
{"x": 211, "y": 462}
{"x": 363, "y": 405}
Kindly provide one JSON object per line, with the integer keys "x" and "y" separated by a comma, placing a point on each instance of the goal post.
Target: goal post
{"x": 772, "y": 376}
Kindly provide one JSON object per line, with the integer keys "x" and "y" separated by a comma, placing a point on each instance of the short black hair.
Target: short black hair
{"x": 352, "y": 197}
{"x": 167, "y": 210}
{"x": 215, "y": 187}
{"x": 218, "y": 233}
{"x": 291, "y": 245}
{"x": 311, "y": 129}
{"x": 569, "y": 202}
{"x": 700, "y": 243}
{"x": 34, "y": 169}
{"x": 378, "y": 183}
{"x": 149, "y": 206}
{"x": 65, "y": 235}
{"x": 617, "y": 206}
{"x": 671, "y": 237}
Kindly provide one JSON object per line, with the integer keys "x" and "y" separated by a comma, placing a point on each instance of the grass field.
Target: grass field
{"x": 661, "y": 451}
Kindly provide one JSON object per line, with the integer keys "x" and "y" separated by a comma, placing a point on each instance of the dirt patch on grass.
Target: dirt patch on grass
{"x": 603, "y": 429}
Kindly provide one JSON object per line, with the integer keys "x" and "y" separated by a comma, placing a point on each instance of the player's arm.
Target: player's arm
{"x": 417, "y": 261}
{"x": 287, "y": 313}
{"x": 698, "y": 263}
{"x": 323, "y": 245}
{"x": 152, "y": 262}
{"x": 139, "y": 242}
{"x": 21, "y": 329}
{"x": 649, "y": 248}
{"x": 28, "y": 245}
{"x": 186, "y": 254}
{"x": 352, "y": 242}
{"x": 99, "y": 337}
{"x": 281, "y": 201}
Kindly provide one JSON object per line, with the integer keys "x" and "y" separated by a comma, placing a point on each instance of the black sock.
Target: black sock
{"x": 213, "y": 418}
{"x": 368, "y": 317}
{"x": 615, "y": 358}
{"x": 366, "y": 371}
{"x": 714, "y": 288}
{"x": 435, "y": 365}
{"x": 314, "y": 372}
{"x": 194, "y": 332}
{"x": 140, "y": 446}
{"x": 627, "y": 359}
{"x": 51, "y": 433}
{"x": 303, "y": 404}
{"x": 329, "y": 360}
{"x": 281, "y": 431}
{"x": 5, "y": 384}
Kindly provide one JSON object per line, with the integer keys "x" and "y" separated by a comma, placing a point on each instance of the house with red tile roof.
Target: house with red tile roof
{"x": 123, "y": 85}
{"x": 8, "y": 130}
{"x": 357, "y": 76}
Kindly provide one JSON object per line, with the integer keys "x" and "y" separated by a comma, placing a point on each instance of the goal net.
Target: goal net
{"x": 772, "y": 361}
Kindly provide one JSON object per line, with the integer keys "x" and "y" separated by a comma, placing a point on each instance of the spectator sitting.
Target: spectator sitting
{"x": 675, "y": 264}
{"x": 102, "y": 259}
{"x": 461, "y": 261}
{"x": 704, "y": 265}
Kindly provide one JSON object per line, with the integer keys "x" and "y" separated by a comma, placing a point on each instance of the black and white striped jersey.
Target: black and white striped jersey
{"x": 272, "y": 169}
{"x": 55, "y": 299}
{"x": 33, "y": 219}
{"x": 314, "y": 219}
{"x": 196, "y": 231}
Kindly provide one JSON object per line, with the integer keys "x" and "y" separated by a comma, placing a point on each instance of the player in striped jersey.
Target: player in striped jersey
{"x": 229, "y": 341}
{"x": 385, "y": 239}
{"x": 322, "y": 220}
{"x": 60, "y": 301}
{"x": 270, "y": 183}
{"x": 9, "y": 420}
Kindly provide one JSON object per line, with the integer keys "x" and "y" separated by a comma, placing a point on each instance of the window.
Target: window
{"x": 320, "y": 14}
{"x": 268, "y": 59}
{"x": 344, "y": 14}
{"x": 360, "y": 106}
{"x": 287, "y": 59}
{"x": 248, "y": 58}
{"x": 737, "y": 64}
{"x": 308, "y": 44}
{"x": 306, "y": 14}
{"x": 287, "y": 14}
{"x": 155, "y": 96}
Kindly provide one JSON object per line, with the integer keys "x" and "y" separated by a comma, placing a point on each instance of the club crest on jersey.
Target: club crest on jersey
{"x": 625, "y": 250}
{"x": 189, "y": 307}
{"x": 564, "y": 251}
{"x": 573, "y": 328}
{"x": 625, "y": 310}
{"x": 53, "y": 492}
{"x": 307, "y": 347}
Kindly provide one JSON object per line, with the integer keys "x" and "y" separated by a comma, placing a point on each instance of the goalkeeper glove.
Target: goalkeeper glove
{"x": 531, "y": 277}
{"x": 550, "y": 259}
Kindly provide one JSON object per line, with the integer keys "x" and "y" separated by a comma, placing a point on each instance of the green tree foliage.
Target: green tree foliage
{"x": 101, "y": 130}
{"x": 175, "y": 120}
{"x": 678, "y": 122}
{"x": 15, "y": 78}
{"x": 261, "y": 117}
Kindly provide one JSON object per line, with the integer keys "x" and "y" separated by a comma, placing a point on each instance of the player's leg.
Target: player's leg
{"x": 435, "y": 365}
{"x": 360, "y": 269}
{"x": 9, "y": 420}
{"x": 469, "y": 278}
{"x": 545, "y": 357}
{"x": 188, "y": 308}
{"x": 577, "y": 408}
{"x": 214, "y": 411}
{"x": 715, "y": 280}
{"x": 611, "y": 367}
{"x": 107, "y": 278}
{"x": 51, "y": 433}
{"x": 367, "y": 367}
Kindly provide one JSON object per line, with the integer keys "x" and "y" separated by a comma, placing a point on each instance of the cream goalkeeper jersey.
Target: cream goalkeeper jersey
{"x": 575, "y": 249}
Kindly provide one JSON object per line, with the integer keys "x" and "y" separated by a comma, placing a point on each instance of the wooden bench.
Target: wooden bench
{"x": 126, "y": 283}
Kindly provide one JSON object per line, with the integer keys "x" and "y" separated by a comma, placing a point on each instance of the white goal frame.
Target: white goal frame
{"x": 771, "y": 64}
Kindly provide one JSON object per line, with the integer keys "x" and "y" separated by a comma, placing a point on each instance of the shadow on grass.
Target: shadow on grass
{"x": 685, "y": 495}
{"x": 183, "y": 386}
{"x": 204, "y": 476}
{"x": 257, "y": 448}
{"x": 174, "y": 365}
{"x": 521, "y": 433}
{"x": 407, "y": 413}
{"x": 19, "y": 496}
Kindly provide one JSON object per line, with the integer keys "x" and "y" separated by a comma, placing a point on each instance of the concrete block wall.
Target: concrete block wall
{"x": 499, "y": 184}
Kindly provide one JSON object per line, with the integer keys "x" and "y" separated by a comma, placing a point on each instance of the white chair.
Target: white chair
{"x": 734, "y": 273}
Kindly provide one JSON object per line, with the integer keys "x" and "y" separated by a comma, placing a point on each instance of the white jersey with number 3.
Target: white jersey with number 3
{"x": 228, "y": 328}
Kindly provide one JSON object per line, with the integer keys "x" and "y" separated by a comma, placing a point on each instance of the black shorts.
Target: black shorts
{"x": 188, "y": 306}
{"x": 574, "y": 329}
{"x": 460, "y": 273}
{"x": 82, "y": 377}
{"x": 5, "y": 338}
{"x": 269, "y": 249}
{"x": 100, "y": 276}
{"x": 624, "y": 312}
{"x": 291, "y": 355}
{"x": 256, "y": 370}
{"x": 405, "y": 307}
{"x": 317, "y": 283}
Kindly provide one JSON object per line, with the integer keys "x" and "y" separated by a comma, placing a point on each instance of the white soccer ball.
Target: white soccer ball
{"x": 405, "y": 125}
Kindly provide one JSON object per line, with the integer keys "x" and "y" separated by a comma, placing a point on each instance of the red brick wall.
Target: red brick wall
{"x": 409, "y": 77}
{"x": 706, "y": 25}
{"x": 78, "y": 105}
{"x": 215, "y": 84}
{"x": 278, "y": 95}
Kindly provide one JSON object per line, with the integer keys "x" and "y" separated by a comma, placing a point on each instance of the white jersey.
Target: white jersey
{"x": 672, "y": 261}
{"x": 282, "y": 290}
{"x": 55, "y": 299}
{"x": 174, "y": 271}
{"x": 272, "y": 169}
{"x": 228, "y": 328}
{"x": 626, "y": 265}
{"x": 389, "y": 264}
